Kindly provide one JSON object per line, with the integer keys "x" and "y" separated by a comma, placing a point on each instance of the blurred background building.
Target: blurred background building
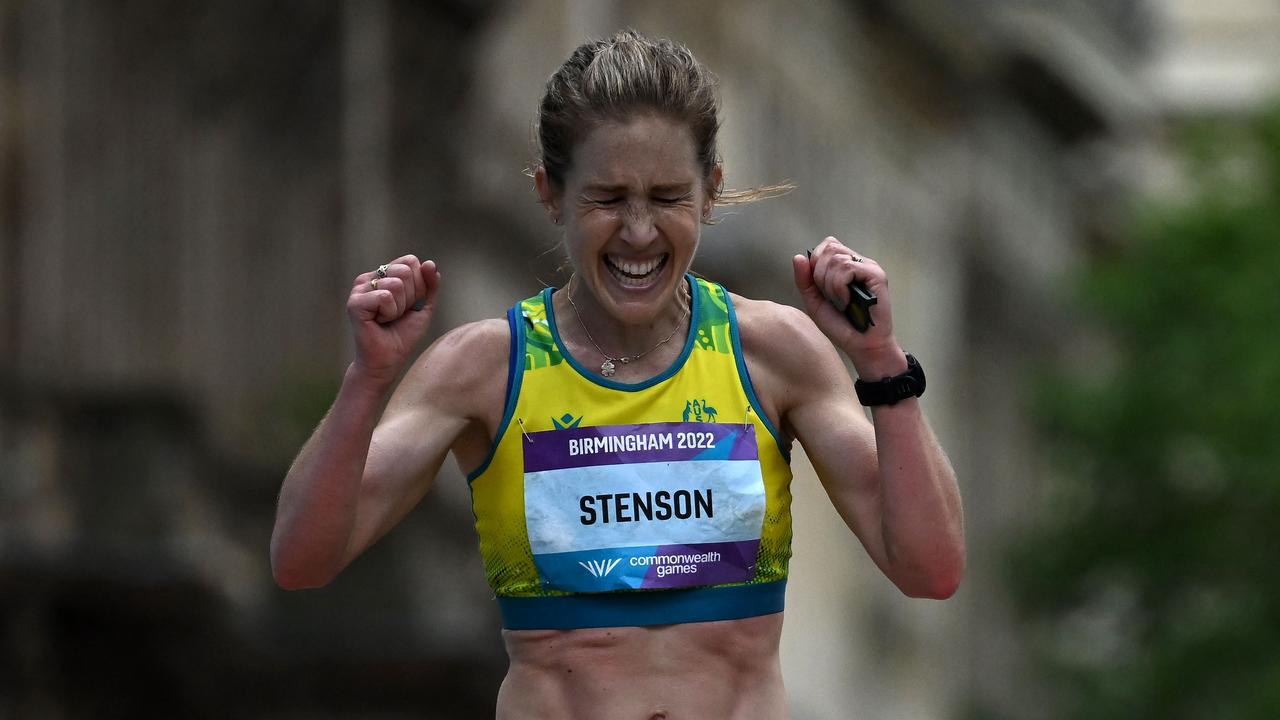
{"x": 186, "y": 190}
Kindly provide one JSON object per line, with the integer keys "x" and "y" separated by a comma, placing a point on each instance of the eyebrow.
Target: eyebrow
{"x": 663, "y": 188}
{"x": 673, "y": 188}
{"x": 607, "y": 189}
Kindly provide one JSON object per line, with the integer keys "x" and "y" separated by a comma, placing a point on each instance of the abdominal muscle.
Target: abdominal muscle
{"x": 727, "y": 669}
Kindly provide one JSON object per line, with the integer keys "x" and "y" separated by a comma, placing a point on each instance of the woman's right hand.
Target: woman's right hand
{"x": 390, "y": 315}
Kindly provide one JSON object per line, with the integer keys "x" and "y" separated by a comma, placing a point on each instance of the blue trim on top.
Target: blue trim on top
{"x": 599, "y": 379}
{"x": 640, "y": 608}
{"x": 745, "y": 377}
{"x": 515, "y": 376}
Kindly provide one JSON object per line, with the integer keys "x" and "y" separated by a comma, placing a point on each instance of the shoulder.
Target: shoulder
{"x": 790, "y": 362}
{"x": 472, "y": 342}
{"x": 782, "y": 338}
{"x": 464, "y": 368}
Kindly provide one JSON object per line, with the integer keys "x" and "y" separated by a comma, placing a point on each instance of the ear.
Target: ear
{"x": 712, "y": 190}
{"x": 547, "y": 193}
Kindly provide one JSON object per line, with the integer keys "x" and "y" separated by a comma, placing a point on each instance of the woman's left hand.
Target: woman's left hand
{"x": 823, "y": 280}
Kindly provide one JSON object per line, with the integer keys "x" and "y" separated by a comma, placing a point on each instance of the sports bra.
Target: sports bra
{"x": 606, "y": 504}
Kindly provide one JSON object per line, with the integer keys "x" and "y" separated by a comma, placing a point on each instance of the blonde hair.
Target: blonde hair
{"x": 626, "y": 74}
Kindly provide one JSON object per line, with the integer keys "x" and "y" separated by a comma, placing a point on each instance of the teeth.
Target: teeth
{"x": 633, "y": 273}
{"x": 636, "y": 267}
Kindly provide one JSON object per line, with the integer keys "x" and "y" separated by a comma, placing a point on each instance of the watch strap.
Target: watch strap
{"x": 890, "y": 390}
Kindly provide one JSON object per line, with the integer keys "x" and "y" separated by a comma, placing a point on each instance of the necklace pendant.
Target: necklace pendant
{"x": 607, "y": 368}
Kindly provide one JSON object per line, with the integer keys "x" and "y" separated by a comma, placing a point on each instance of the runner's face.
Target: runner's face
{"x": 632, "y": 207}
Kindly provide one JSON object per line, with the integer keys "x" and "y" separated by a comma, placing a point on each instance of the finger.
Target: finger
{"x": 802, "y": 272}
{"x": 837, "y": 266}
{"x": 371, "y": 306}
{"x": 828, "y": 245}
{"x": 836, "y": 290}
{"x": 413, "y": 281}
{"x": 816, "y": 305}
{"x": 388, "y": 312}
{"x": 810, "y": 293}
{"x": 395, "y": 286}
{"x": 405, "y": 288}
{"x": 822, "y": 269}
{"x": 430, "y": 285}
{"x": 831, "y": 246}
{"x": 831, "y": 272}
{"x": 842, "y": 271}
{"x": 368, "y": 282}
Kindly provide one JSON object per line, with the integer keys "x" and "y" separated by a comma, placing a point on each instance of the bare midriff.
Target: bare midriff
{"x": 727, "y": 669}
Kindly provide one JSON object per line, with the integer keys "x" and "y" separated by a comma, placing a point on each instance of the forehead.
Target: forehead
{"x": 638, "y": 151}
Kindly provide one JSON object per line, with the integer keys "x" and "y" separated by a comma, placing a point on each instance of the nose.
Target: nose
{"x": 638, "y": 229}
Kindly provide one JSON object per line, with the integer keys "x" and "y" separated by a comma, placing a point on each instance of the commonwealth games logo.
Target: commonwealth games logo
{"x": 600, "y": 568}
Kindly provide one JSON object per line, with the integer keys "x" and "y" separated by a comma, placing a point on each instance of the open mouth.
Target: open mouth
{"x": 635, "y": 273}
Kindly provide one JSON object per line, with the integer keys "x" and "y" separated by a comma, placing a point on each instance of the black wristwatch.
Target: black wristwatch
{"x": 892, "y": 389}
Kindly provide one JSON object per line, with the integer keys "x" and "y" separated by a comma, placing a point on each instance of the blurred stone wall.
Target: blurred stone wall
{"x": 186, "y": 189}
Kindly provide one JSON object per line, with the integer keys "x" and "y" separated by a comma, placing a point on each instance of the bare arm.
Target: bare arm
{"x": 363, "y": 469}
{"x": 889, "y": 480}
{"x": 316, "y": 512}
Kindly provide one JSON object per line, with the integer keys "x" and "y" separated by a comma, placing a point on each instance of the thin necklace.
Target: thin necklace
{"x": 607, "y": 368}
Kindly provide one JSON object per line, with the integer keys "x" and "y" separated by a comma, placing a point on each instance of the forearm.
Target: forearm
{"x": 899, "y": 495}
{"x": 318, "y": 502}
{"x": 921, "y": 521}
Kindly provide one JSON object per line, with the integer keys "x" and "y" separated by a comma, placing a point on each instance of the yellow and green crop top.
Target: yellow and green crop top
{"x": 606, "y": 504}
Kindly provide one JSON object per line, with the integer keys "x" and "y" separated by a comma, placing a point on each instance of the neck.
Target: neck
{"x": 594, "y": 326}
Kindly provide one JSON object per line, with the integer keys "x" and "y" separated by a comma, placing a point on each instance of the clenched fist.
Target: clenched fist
{"x": 390, "y": 310}
{"x": 823, "y": 280}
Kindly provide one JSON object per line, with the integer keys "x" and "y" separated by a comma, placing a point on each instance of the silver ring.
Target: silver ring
{"x": 381, "y": 271}
{"x": 374, "y": 282}
{"x": 856, "y": 258}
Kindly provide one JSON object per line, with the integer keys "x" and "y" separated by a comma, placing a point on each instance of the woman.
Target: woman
{"x": 630, "y": 475}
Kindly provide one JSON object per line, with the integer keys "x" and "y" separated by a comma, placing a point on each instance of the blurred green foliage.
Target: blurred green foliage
{"x": 1152, "y": 580}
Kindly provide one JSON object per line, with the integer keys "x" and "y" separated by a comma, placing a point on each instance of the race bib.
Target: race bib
{"x": 656, "y": 505}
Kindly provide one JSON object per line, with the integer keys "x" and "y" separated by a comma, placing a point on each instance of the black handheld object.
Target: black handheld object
{"x": 858, "y": 311}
